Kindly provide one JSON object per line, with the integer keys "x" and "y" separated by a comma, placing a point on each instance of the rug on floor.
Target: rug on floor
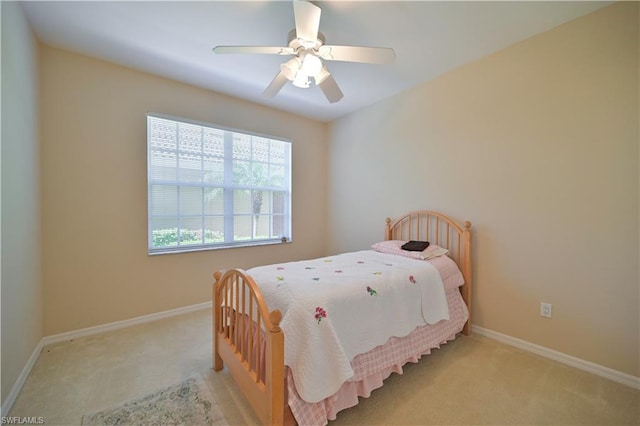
{"x": 187, "y": 403}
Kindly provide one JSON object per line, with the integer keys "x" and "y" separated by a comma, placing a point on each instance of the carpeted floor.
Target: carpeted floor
{"x": 470, "y": 381}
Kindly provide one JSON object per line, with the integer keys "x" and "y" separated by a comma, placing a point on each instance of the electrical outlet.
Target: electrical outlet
{"x": 545, "y": 310}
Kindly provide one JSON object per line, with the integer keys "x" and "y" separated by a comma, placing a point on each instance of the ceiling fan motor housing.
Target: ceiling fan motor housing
{"x": 296, "y": 43}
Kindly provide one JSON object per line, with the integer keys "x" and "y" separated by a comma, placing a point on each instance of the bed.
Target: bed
{"x": 340, "y": 342}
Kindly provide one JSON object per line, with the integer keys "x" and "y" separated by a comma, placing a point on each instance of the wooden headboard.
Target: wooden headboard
{"x": 439, "y": 229}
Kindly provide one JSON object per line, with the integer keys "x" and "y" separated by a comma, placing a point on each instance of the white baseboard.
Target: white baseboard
{"x": 602, "y": 371}
{"x": 76, "y": 334}
{"x": 17, "y": 386}
{"x": 63, "y": 337}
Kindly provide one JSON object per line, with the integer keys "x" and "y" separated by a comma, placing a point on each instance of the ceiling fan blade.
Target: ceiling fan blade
{"x": 330, "y": 89}
{"x": 307, "y": 16}
{"x": 276, "y": 84}
{"x": 371, "y": 55}
{"x": 266, "y": 50}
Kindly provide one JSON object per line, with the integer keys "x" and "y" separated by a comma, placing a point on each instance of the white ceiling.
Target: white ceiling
{"x": 174, "y": 40}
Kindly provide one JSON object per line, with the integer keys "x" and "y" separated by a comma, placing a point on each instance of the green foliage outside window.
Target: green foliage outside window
{"x": 169, "y": 237}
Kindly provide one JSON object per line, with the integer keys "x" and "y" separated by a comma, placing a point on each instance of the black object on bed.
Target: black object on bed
{"x": 415, "y": 245}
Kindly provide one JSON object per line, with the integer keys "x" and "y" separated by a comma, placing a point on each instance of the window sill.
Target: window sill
{"x": 217, "y": 247}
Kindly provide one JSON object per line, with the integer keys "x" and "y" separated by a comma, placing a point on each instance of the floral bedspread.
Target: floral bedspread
{"x": 337, "y": 307}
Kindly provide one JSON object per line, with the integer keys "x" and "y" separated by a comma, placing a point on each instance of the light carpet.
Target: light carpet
{"x": 187, "y": 403}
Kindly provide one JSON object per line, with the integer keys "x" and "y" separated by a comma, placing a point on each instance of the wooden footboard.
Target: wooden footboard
{"x": 241, "y": 321}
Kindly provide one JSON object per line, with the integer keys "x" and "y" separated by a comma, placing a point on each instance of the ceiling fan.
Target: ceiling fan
{"x": 306, "y": 45}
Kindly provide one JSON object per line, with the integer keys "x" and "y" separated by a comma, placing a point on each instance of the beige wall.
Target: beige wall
{"x": 21, "y": 264}
{"x": 96, "y": 268}
{"x": 544, "y": 136}
{"x": 536, "y": 145}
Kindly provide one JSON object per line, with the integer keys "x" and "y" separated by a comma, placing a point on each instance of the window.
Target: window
{"x": 210, "y": 187}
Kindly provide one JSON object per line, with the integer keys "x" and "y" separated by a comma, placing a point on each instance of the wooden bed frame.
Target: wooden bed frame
{"x": 240, "y": 312}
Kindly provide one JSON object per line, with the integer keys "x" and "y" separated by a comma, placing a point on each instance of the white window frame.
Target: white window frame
{"x": 156, "y": 189}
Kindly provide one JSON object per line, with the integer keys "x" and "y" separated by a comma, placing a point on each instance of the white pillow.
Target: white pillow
{"x": 395, "y": 247}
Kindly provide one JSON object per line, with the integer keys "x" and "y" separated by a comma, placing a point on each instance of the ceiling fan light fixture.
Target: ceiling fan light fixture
{"x": 290, "y": 68}
{"x": 302, "y": 80}
{"x": 311, "y": 64}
